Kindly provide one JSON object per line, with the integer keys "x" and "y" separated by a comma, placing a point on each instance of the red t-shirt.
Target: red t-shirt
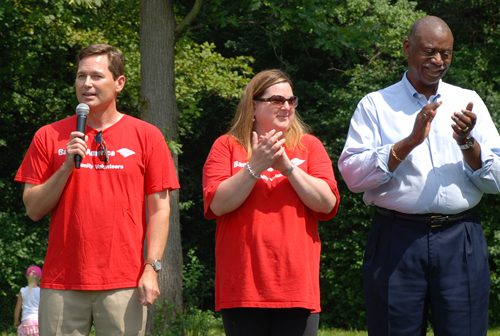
{"x": 268, "y": 250}
{"x": 97, "y": 228}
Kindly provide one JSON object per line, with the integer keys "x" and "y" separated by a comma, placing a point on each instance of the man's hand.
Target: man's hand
{"x": 148, "y": 286}
{"x": 464, "y": 123}
{"x": 76, "y": 145}
{"x": 421, "y": 129}
{"x": 423, "y": 122}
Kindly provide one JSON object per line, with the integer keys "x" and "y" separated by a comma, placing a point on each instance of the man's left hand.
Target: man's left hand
{"x": 464, "y": 123}
{"x": 148, "y": 286}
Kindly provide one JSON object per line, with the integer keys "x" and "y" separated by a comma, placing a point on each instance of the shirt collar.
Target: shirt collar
{"x": 413, "y": 93}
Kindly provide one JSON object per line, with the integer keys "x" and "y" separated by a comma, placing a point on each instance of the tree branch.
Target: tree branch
{"x": 181, "y": 26}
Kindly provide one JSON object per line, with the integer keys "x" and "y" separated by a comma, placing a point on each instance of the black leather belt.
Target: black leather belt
{"x": 434, "y": 220}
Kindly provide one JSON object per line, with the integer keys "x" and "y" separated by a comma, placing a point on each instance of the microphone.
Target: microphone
{"x": 82, "y": 110}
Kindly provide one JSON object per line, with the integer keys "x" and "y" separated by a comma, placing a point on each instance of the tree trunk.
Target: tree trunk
{"x": 157, "y": 47}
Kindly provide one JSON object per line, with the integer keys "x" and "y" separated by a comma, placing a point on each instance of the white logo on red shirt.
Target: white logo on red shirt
{"x": 125, "y": 152}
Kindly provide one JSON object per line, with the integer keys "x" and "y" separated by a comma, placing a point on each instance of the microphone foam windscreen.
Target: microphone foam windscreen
{"x": 82, "y": 109}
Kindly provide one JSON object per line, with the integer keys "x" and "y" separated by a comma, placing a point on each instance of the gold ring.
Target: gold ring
{"x": 465, "y": 129}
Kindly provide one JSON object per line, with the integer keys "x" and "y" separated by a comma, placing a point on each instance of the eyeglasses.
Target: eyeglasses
{"x": 102, "y": 150}
{"x": 278, "y": 100}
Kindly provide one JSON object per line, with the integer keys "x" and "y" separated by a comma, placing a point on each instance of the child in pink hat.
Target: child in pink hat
{"x": 28, "y": 300}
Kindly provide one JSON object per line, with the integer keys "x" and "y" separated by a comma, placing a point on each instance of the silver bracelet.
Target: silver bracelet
{"x": 251, "y": 172}
{"x": 289, "y": 170}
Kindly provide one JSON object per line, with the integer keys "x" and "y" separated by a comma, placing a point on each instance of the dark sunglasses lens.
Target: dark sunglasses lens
{"x": 280, "y": 100}
{"x": 277, "y": 100}
{"x": 102, "y": 150}
{"x": 103, "y": 153}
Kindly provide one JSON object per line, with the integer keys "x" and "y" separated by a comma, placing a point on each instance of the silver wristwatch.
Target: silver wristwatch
{"x": 156, "y": 264}
{"x": 469, "y": 143}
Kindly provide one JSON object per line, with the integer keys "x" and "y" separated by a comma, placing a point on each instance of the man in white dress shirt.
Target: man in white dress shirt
{"x": 423, "y": 152}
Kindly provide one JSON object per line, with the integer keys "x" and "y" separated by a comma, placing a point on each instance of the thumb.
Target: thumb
{"x": 470, "y": 106}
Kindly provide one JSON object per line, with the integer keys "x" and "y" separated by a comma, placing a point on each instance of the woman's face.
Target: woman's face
{"x": 274, "y": 114}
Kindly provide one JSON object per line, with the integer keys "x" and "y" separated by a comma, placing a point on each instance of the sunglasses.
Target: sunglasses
{"x": 102, "y": 150}
{"x": 278, "y": 100}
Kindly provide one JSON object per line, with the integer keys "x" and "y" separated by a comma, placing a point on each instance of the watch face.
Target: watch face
{"x": 156, "y": 265}
{"x": 469, "y": 143}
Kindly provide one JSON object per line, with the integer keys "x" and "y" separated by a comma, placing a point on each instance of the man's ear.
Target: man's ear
{"x": 120, "y": 83}
{"x": 406, "y": 47}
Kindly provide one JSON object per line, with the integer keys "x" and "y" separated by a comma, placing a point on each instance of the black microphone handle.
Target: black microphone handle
{"x": 80, "y": 127}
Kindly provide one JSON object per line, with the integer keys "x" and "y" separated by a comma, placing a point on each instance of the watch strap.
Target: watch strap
{"x": 155, "y": 264}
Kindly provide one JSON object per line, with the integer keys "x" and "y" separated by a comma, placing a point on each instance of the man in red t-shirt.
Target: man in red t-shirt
{"x": 96, "y": 270}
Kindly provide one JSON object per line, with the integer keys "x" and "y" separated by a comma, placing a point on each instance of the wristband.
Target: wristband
{"x": 251, "y": 172}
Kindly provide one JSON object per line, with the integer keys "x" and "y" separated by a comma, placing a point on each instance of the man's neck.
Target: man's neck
{"x": 101, "y": 120}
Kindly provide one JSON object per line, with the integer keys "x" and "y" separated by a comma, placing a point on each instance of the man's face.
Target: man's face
{"x": 94, "y": 83}
{"x": 429, "y": 54}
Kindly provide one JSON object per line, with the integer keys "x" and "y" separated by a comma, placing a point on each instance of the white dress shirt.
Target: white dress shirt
{"x": 434, "y": 178}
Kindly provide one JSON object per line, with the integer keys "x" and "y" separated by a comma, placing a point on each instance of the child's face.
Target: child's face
{"x": 32, "y": 279}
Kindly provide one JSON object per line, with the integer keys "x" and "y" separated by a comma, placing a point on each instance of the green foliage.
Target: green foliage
{"x": 22, "y": 243}
{"x": 201, "y": 73}
{"x": 196, "y": 281}
{"x": 342, "y": 254}
{"x": 335, "y": 51}
{"x": 191, "y": 322}
{"x": 86, "y": 3}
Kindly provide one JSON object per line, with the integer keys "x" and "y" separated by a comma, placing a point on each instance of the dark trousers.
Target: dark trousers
{"x": 269, "y": 322}
{"x": 412, "y": 270}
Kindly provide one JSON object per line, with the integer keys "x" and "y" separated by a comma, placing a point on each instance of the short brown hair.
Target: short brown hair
{"x": 115, "y": 57}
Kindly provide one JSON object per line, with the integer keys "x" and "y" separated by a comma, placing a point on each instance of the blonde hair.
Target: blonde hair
{"x": 242, "y": 124}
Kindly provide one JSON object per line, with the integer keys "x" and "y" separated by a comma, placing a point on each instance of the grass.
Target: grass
{"x": 338, "y": 332}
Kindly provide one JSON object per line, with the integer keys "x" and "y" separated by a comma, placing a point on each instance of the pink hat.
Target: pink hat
{"x": 34, "y": 270}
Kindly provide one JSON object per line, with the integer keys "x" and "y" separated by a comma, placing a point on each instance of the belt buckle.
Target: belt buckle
{"x": 437, "y": 221}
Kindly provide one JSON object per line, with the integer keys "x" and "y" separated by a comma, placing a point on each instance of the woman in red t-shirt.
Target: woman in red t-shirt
{"x": 267, "y": 182}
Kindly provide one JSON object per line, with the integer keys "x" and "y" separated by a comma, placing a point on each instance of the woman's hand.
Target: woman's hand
{"x": 266, "y": 149}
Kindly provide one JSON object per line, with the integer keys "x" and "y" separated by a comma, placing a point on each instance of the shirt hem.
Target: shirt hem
{"x": 87, "y": 287}
{"x": 228, "y": 305}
